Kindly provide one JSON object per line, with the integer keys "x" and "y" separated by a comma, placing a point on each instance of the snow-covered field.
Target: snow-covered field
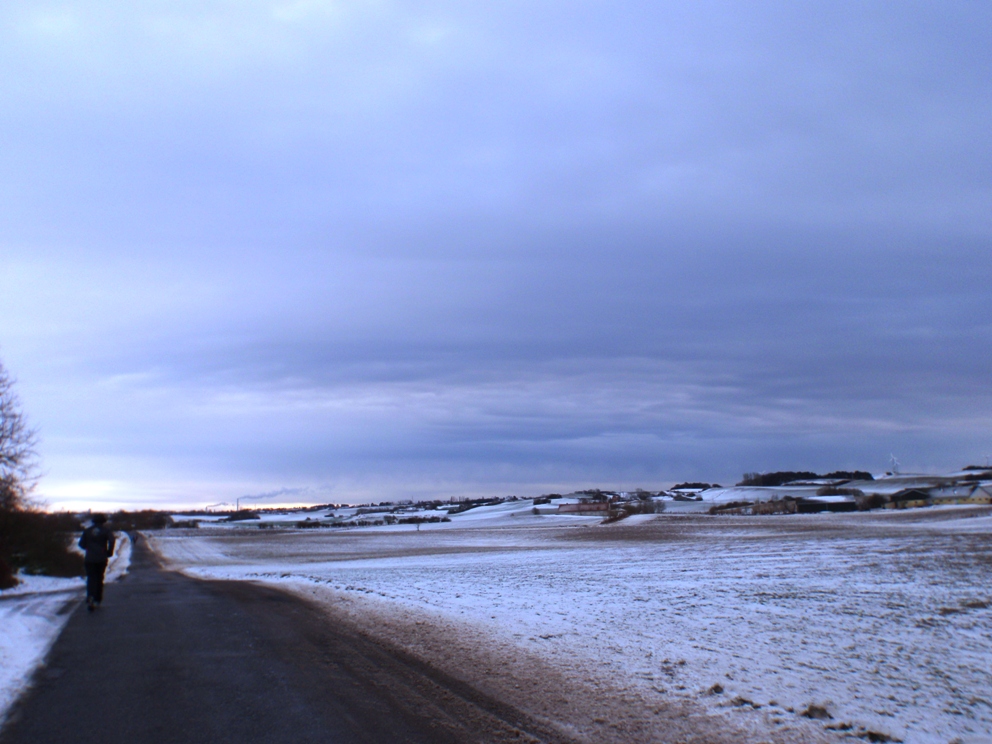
{"x": 882, "y": 620}
{"x": 32, "y": 615}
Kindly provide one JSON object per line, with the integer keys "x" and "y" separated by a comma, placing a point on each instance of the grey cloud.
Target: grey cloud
{"x": 414, "y": 247}
{"x": 648, "y": 111}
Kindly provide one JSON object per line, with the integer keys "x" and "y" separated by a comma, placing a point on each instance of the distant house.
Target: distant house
{"x": 588, "y": 507}
{"x": 910, "y": 498}
{"x": 961, "y": 494}
{"x": 942, "y": 495}
{"x": 815, "y": 506}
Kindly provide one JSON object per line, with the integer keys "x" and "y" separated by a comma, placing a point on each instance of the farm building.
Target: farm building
{"x": 961, "y": 494}
{"x": 815, "y": 506}
{"x": 589, "y": 507}
{"x": 910, "y": 498}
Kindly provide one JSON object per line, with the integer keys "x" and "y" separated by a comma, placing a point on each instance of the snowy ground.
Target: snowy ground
{"x": 884, "y": 620}
{"x": 32, "y": 615}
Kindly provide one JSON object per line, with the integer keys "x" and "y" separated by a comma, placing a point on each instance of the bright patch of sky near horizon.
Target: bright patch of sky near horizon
{"x": 383, "y": 250}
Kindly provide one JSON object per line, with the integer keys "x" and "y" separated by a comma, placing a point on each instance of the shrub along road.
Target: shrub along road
{"x": 172, "y": 659}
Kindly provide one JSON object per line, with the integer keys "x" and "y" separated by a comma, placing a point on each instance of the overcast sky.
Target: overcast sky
{"x": 335, "y": 251}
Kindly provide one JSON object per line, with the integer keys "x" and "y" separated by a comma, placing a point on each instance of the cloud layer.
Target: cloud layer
{"x": 382, "y": 249}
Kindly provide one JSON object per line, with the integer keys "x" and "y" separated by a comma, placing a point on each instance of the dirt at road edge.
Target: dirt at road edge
{"x": 579, "y": 708}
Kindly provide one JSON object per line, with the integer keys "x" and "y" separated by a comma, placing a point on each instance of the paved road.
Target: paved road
{"x": 172, "y": 659}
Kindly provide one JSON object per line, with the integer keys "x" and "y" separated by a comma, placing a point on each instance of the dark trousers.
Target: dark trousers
{"x": 94, "y": 580}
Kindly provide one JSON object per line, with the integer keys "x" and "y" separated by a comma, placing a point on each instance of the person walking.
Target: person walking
{"x": 98, "y": 542}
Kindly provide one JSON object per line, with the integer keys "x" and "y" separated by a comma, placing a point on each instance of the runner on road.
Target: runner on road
{"x": 98, "y": 542}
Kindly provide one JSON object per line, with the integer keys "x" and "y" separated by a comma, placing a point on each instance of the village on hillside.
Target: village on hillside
{"x": 782, "y": 492}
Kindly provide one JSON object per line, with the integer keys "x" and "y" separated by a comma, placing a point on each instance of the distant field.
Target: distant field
{"x": 881, "y": 621}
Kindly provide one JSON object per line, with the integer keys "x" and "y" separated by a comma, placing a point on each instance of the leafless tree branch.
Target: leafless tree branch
{"x": 17, "y": 445}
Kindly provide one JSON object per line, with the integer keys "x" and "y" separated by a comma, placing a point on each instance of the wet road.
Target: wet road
{"x": 172, "y": 659}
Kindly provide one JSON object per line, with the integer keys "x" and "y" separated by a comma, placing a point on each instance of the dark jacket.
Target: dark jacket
{"x": 98, "y": 542}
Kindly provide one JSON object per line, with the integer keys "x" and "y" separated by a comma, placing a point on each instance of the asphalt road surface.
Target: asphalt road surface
{"x": 172, "y": 659}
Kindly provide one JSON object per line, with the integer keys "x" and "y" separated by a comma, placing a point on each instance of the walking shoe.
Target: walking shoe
{"x": 90, "y": 604}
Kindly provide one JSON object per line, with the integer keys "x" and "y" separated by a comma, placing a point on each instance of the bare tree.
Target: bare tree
{"x": 31, "y": 540}
{"x": 17, "y": 443}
